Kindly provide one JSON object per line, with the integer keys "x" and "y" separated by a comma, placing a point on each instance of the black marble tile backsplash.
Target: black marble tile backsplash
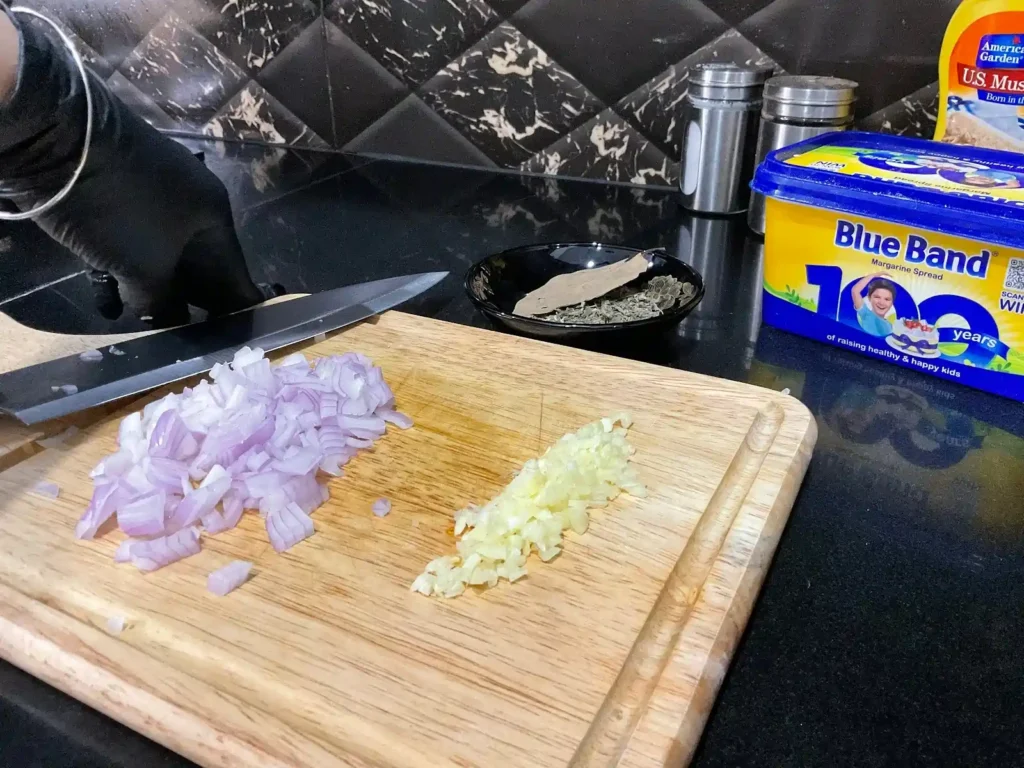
{"x": 581, "y": 88}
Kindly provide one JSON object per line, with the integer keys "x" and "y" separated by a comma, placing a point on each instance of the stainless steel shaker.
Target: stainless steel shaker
{"x": 719, "y": 136}
{"x": 797, "y": 107}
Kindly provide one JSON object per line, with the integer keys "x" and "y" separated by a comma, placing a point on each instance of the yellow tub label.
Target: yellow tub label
{"x": 944, "y": 305}
{"x": 960, "y": 178}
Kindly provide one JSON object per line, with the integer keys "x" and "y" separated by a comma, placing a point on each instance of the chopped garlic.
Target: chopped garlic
{"x": 550, "y": 494}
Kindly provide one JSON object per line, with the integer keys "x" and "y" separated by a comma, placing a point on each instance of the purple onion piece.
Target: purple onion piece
{"x": 228, "y": 578}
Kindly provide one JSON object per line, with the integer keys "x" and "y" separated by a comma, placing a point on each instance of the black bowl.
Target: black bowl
{"x": 498, "y": 282}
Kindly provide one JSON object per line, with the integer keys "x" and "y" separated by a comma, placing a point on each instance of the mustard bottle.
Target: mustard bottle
{"x": 981, "y": 76}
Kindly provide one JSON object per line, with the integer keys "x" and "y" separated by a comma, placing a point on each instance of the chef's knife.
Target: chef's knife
{"x": 69, "y": 384}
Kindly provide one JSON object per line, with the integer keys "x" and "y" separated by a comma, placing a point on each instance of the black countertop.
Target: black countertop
{"x": 888, "y": 632}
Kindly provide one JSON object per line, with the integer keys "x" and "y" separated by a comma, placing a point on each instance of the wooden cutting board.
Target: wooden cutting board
{"x": 609, "y": 655}
{"x": 21, "y": 346}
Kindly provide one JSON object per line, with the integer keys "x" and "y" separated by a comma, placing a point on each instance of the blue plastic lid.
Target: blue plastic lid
{"x": 956, "y": 190}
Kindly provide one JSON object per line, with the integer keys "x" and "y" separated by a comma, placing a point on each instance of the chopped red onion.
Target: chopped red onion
{"x": 228, "y": 578}
{"x": 400, "y": 420}
{"x": 263, "y": 484}
{"x": 381, "y": 507}
{"x": 370, "y": 427}
{"x": 328, "y": 406}
{"x": 304, "y": 491}
{"x": 288, "y": 526}
{"x": 252, "y": 436}
{"x": 257, "y": 461}
{"x": 114, "y": 465}
{"x": 156, "y": 553}
{"x": 355, "y": 406}
{"x": 124, "y": 551}
{"x": 171, "y": 438}
{"x": 294, "y": 360}
{"x": 144, "y": 516}
{"x": 233, "y": 509}
{"x": 105, "y": 499}
{"x": 47, "y": 489}
{"x": 198, "y": 503}
{"x": 300, "y": 463}
{"x": 167, "y": 474}
{"x": 91, "y": 356}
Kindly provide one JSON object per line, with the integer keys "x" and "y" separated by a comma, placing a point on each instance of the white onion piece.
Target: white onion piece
{"x": 47, "y": 489}
{"x": 91, "y": 356}
{"x": 115, "y": 351}
{"x": 156, "y": 553}
{"x": 381, "y": 507}
{"x": 67, "y": 389}
{"x": 288, "y": 526}
{"x": 228, "y": 578}
{"x": 547, "y": 496}
{"x": 115, "y": 625}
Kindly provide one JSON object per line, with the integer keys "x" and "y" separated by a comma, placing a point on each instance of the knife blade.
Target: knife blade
{"x": 34, "y": 394}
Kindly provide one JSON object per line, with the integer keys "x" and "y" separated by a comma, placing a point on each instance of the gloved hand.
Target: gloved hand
{"x": 144, "y": 209}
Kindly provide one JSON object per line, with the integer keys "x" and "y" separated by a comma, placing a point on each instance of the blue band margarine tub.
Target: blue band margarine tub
{"x": 903, "y": 249}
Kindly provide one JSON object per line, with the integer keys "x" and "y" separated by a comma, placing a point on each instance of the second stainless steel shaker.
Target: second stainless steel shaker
{"x": 797, "y": 107}
{"x": 719, "y": 136}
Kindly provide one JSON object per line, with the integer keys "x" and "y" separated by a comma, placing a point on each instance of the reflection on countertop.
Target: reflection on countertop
{"x": 887, "y": 632}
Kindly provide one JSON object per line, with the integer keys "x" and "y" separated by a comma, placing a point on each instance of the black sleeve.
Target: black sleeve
{"x": 144, "y": 209}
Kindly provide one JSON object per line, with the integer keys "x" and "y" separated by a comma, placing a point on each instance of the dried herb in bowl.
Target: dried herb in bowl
{"x": 623, "y": 305}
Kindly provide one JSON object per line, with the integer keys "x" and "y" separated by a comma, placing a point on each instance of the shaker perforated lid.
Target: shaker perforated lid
{"x": 722, "y": 74}
{"x": 809, "y": 95}
{"x": 730, "y": 82}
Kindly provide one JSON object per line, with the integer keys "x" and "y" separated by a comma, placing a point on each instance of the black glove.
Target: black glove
{"x": 144, "y": 209}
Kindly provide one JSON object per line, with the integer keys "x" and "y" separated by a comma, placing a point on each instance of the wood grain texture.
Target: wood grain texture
{"x": 325, "y": 658}
{"x": 624, "y": 705}
{"x": 22, "y": 346}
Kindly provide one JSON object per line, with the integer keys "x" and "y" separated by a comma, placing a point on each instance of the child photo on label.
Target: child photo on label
{"x": 874, "y": 306}
{"x": 985, "y": 178}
